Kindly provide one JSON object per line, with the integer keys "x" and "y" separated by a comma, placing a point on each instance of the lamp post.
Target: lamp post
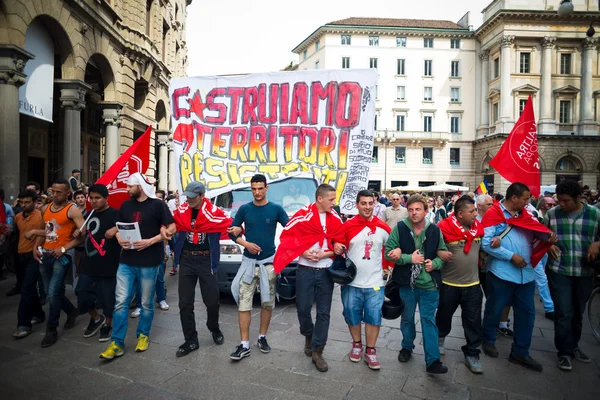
{"x": 385, "y": 138}
{"x": 565, "y": 8}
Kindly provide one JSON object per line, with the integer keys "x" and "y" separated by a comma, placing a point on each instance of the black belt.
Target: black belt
{"x": 313, "y": 268}
{"x": 196, "y": 252}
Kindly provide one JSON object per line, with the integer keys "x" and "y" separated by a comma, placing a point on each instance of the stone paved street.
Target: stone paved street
{"x": 71, "y": 368}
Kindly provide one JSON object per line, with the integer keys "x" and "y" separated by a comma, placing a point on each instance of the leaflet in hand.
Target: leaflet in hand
{"x": 129, "y": 231}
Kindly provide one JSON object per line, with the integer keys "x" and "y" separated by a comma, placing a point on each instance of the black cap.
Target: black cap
{"x": 75, "y": 170}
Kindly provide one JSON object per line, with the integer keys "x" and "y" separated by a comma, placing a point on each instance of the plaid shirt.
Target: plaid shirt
{"x": 574, "y": 238}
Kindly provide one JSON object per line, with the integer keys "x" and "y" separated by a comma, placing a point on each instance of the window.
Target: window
{"x": 455, "y": 94}
{"x": 346, "y": 40}
{"x": 373, "y": 40}
{"x": 454, "y": 156}
{"x": 427, "y": 123}
{"x": 345, "y": 62}
{"x": 455, "y": 43}
{"x": 495, "y": 111}
{"x": 375, "y": 154}
{"x": 565, "y": 112}
{"x": 372, "y": 62}
{"x": 375, "y": 127}
{"x": 428, "y": 67}
{"x": 317, "y": 45}
{"x": 455, "y": 69}
{"x": 428, "y": 43}
{"x": 316, "y": 64}
{"x": 400, "y": 92}
{"x": 400, "y": 67}
{"x": 427, "y": 155}
{"x": 565, "y": 64}
{"x": 376, "y": 92}
{"x": 148, "y": 17}
{"x": 400, "y": 119}
{"x": 304, "y": 54}
{"x": 400, "y": 41}
{"x": 454, "y": 124}
{"x": 496, "y": 67}
{"x": 400, "y": 155}
{"x": 427, "y": 94}
{"x": 522, "y": 103}
{"x": 525, "y": 63}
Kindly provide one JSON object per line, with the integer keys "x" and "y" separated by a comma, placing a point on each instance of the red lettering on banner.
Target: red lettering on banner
{"x": 202, "y": 131}
{"x": 220, "y": 108}
{"x": 218, "y": 142}
{"x": 258, "y": 137}
{"x": 299, "y": 104}
{"x": 235, "y": 93}
{"x": 288, "y": 133}
{"x": 318, "y": 92}
{"x": 351, "y": 106}
{"x": 177, "y": 111}
{"x": 326, "y": 146}
{"x": 249, "y": 107}
{"x": 262, "y": 103}
{"x": 239, "y": 139}
{"x": 284, "y": 101}
{"x": 272, "y": 144}
{"x": 309, "y": 138}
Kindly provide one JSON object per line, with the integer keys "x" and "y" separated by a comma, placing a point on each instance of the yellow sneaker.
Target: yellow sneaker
{"x": 142, "y": 344}
{"x": 113, "y": 350}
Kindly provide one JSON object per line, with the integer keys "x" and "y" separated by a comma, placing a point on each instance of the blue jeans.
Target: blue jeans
{"x": 541, "y": 282}
{"x": 504, "y": 293}
{"x": 428, "y": 303}
{"x": 126, "y": 277}
{"x": 53, "y": 275}
{"x": 362, "y": 305}
{"x": 160, "y": 287}
{"x": 314, "y": 285}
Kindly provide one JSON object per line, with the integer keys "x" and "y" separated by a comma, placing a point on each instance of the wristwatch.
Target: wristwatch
{"x": 63, "y": 250}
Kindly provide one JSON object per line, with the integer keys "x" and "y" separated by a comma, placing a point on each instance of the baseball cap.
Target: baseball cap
{"x": 75, "y": 170}
{"x": 194, "y": 189}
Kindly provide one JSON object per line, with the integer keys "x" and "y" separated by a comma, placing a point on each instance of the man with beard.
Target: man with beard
{"x": 139, "y": 260}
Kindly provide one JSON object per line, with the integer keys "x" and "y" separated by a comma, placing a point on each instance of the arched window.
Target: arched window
{"x": 568, "y": 164}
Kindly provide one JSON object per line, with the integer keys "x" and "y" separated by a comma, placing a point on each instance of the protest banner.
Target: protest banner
{"x": 226, "y": 129}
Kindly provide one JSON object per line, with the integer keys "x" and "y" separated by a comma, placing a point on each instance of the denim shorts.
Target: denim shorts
{"x": 362, "y": 305}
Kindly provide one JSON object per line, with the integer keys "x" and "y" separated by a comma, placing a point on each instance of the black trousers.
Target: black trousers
{"x": 30, "y": 305}
{"x": 191, "y": 270}
{"x": 469, "y": 299}
{"x": 89, "y": 288}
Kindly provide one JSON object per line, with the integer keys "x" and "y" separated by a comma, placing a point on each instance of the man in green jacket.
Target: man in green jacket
{"x": 413, "y": 245}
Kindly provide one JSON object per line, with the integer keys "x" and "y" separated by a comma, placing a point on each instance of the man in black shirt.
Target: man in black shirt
{"x": 200, "y": 225}
{"x": 139, "y": 260}
{"x": 98, "y": 279}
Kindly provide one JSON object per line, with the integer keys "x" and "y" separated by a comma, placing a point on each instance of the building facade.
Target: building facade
{"x": 80, "y": 80}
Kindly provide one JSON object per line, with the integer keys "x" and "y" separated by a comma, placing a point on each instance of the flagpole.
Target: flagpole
{"x": 86, "y": 221}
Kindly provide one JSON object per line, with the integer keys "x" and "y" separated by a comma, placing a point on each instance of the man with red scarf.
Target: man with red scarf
{"x": 310, "y": 234}
{"x": 200, "y": 225}
{"x": 510, "y": 276}
{"x": 365, "y": 237}
{"x": 460, "y": 279}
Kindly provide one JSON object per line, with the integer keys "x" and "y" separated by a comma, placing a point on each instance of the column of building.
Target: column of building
{"x": 546, "y": 123}
{"x": 162, "y": 138}
{"x": 506, "y": 103}
{"x": 172, "y": 165}
{"x": 587, "y": 125}
{"x": 111, "y": 115}
{"x": 484, "y": 126}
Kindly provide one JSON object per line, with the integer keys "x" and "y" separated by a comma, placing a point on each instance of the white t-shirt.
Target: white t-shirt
{"x": 365, "y": 251}
{"x": 325, "y": 262}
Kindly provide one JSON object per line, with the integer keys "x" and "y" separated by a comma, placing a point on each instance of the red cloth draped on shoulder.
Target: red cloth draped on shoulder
{"x": 453, "y": 231}
{"x": 355, "y": 225}
{"x": 525, "y": 220}
{"x": 302, "y": 231}
{"x": 210, "y": 219}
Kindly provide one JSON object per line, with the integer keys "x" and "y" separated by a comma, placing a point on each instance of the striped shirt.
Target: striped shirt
{"x": 575, "y": 232}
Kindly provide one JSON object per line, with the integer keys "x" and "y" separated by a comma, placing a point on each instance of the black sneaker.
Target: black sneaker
{"x": 490, "y": 349}
{"x": 404, "y": 355}
{"x": 37, "y": 320}
{"x": 105, "y": 333}
{"x": 527, "y": 362}
{"x": 240, "y": 352}
{"x": 186, "y": 349}
{"x": 581, "y": 356}
{"x": 263, "y": 345}
{"x": 506, "y": 332}
{"x": 437, "y": 367}
{"x": 218, "y": 336}
{"x": 564, "y": 363}
{"x": 50, "y": 338}
{"x": 71, "y": 318}
{"x": 93, "y": 327}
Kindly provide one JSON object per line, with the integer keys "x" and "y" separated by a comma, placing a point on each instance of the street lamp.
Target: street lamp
{"x": 385, "y": 138}
{"x": 591, "y": 31}
{"x": 565, "y": 8}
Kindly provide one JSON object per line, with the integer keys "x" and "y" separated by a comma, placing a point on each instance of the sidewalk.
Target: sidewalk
{"x": 71, "y": 368}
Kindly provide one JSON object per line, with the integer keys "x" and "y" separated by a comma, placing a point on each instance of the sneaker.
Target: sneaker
{"x": 186, "y": 349}
{"x": 94, "y": 327}
{"x": 474, "y": 364}
{"x": 356, "y": 352}
{"x": 136, "y": 313}
{"x": 404, "y": 355}
{"x": 113, "y": 350}
{"x": 142, "y": 343}
{"x": 550, "y": 316}
{"x": 163, "y": 305}
{"x": 437, "y": 367}
{"x": 37, "y": 320}
{"x": 217, "y": 335}
{"x": 240, "y": 352}
{"x": 506, "y": 332}
{"x": 527, "y": 362}
{"x": 50, "y": 338}
{"x": 71, "y": 319}
{"x": 263, "y": 345}
{"x": 441, "y": 345}
{"x": 581, "y": 356}
{"x": 173, "y": 272}
{"x": 105, "y": 333}
{"x": 564, "y": 363}
{"x": 371, "y": 359}
{"x": 22, "y": 332}
{"x": 490, "y": 349}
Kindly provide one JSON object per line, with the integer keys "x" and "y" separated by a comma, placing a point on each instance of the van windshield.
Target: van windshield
{"x": 292, "y": 194}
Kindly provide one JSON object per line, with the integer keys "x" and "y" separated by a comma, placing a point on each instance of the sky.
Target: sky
{"x": 246, "y": 36}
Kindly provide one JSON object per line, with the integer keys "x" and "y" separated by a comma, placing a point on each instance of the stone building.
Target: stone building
{"x": 80, "y": 80}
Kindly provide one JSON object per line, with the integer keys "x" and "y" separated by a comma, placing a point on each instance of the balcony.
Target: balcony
{"x": 420, "y": 135}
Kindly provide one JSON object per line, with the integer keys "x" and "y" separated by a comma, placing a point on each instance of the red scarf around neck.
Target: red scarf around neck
{"x": 453, "y": 231}
{"x": 302, "y": 231}
{"x": 210, "y": 219}
{"x": 355, "y": 225}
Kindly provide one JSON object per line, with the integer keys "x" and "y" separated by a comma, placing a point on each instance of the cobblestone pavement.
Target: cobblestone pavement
{"x": 71, "y": 368}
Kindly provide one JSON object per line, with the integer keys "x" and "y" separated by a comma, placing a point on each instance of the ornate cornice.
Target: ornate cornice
{"x": 12, "y": 64}
{"x": 549, "y": 42}
{"x": 590, "y": 43}
{"x": 72, "y": 93}
{"x": 506, "y": 40}
{"x": 484, "y": 55}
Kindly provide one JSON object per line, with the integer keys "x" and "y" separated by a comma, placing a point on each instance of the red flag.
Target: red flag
{"x": 135, "y": 159}
{"x": 517, "y": 160}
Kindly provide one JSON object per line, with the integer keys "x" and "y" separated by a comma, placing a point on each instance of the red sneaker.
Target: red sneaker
{"x": 356, "y": 352}
{"x": 371, "y": 359}
{"x": 173, "y": 272}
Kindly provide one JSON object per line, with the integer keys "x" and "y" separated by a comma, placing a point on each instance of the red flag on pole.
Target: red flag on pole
{"x": 518, "y": 160}
{"x": 135, "y": 159}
